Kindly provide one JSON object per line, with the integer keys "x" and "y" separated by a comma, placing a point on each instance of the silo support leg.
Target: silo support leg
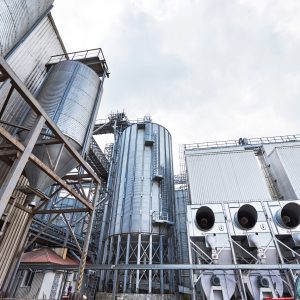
{"x": 115, "y": 281}
{"x": 137, "y": 282}
{"x": 150, "y": 262}
{"x": 161, "y": 256}
{"x": 126, "y": 262}
{"x": 19, "y": 164}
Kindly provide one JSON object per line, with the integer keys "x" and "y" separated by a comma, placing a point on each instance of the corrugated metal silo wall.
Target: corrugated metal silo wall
{"x": 136, "y": 195}
{"x": 69, "y": 96}
{"x": 16, "y": 18}
{"x": 224, "y": 175}
{"x": 284, "y": 166}
{"x": 28, "y": 61}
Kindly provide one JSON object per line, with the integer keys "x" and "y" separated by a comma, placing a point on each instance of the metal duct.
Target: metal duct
{"x": 218, "y": 285}
{"x": 18, "y": 17}
{"x": 246, "y": 217}
{"x": 289, "y": 215}
{"x": 262, "y": 284}
{"x": 205, "y": 218}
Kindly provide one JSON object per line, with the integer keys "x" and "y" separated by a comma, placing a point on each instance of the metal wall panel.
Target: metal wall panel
{"x": 28, "y": 61}
{"x": 284, "y": 167}
{"x": 225, "y": 176}
{"x": 16, "y": 18}
{"x": 268, "y": 148}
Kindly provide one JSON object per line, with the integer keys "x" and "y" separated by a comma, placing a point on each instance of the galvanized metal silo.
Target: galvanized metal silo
{"x": 70, "y": 96}
{"x": 141, "y": 226}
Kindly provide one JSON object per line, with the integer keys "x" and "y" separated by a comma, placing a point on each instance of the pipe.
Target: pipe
{"x": 246, "y": 217}
{"x": 289, "y": 215}
{"x": 205, "y": 218}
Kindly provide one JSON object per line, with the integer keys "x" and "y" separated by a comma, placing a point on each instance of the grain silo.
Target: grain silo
{"x": 141, "y": 227}
{"x": 70, "y": 96}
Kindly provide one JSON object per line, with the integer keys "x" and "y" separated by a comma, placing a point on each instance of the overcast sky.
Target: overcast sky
{"x": 205, "y": 69}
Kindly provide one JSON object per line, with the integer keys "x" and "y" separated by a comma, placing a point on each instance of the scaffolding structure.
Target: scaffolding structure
{"x": 83, "y": 185}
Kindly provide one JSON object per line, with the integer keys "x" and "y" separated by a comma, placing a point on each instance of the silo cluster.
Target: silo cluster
{"x": 229, "y": 230}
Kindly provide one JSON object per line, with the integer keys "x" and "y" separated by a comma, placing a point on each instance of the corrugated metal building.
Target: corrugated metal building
{"x": 284, "y": 166}
{"x": 236, "y": 216}
{"x": 224, "y": 175}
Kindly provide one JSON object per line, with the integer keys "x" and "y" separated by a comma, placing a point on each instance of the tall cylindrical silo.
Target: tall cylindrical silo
{"x": 141, "y": 226}
{"x": 17, "y": 18}
{"x": 69, "y": 95}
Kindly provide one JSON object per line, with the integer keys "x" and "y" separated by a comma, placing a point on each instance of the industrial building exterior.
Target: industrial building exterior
{"x": 117, "y": 224}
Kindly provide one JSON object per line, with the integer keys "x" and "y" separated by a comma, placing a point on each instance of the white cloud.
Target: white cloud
{"x": 205, "y": 69}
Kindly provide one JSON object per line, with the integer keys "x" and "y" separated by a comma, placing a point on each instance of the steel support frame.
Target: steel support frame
{"x": 137, "y": 249}
{"x": 194, "y": 267}
{"x": 239, "y": 268}
{"x": 26, "y": 155}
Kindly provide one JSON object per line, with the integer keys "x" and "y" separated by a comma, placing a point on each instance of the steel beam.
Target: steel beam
{"x": 116, "y": 281}
{"x": 137, "y": 280}
{"x": 42, "y": 166}
{"x": 6, "y": 101}
{"x": 40, "y": 232}
{"x": 86, "y": 243}
{"x": 59, "y": 211}
{"x": 203, "y": 267}
{"x": 126, "y": 262}
{"x": 150, "y": 262}
{"x": 18, "y": 166}
{"x": 161, "y": 259}
{"x": 72, "y": 233}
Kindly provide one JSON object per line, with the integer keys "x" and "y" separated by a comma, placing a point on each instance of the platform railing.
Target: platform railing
{"x": 80, "y": 55}
{"x": 244, "y": 142}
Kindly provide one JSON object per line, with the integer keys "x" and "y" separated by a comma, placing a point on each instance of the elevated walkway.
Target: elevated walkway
{"x": 97, "y": 160}
{"x": 94, "y": 58}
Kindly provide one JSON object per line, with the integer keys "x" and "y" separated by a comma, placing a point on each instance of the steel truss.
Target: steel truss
{"x": 136, "y": 249}
{"x": 82, "y": 185}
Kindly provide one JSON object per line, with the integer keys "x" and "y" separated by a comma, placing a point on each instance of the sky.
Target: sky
{"x": 207, "y": 70}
